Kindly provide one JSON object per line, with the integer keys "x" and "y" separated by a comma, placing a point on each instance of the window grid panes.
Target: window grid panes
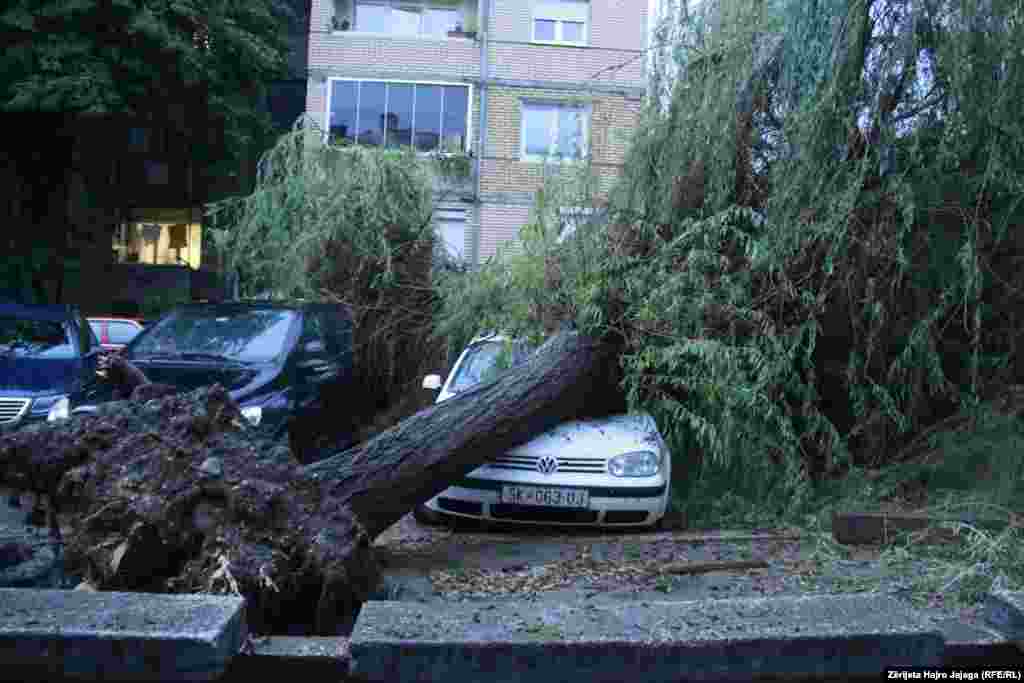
{"x": 376, "y": 113}
{"x": 554, "y": 130}
{"x": 408, "y": 17}
{"x": 561, "y": 21}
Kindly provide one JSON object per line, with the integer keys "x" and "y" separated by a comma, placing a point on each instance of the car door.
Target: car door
{"x": 314, "y": 371}
{"x": 89, "y": 350}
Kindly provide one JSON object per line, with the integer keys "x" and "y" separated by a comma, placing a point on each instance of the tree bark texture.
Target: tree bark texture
{"x": 175, "y": 494}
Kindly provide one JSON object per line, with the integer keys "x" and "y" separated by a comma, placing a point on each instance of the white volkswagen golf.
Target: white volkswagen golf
{"x": 611, "y": 471}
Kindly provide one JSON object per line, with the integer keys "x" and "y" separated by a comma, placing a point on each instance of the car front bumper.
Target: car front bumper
{"x": 621, "y": 505}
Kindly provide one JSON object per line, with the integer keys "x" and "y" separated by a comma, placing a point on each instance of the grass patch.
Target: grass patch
{"x": 971, "y": 474}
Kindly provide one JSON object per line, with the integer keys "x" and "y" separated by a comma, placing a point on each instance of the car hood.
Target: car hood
{"x": 239, "y": 381}
{"x": 595, "y": 437}
{"x": 26, "y": 376}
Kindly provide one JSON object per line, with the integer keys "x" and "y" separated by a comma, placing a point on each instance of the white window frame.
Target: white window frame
{"x": 448, "y": 215}
{"x": 585, "y": 110}
{"x": 422, "y": 5}
{"x": 469, "y": 105}
{"x": 548, "y": 10}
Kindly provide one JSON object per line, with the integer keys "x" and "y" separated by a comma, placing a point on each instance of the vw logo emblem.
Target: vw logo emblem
{"x": 547, "y": 464}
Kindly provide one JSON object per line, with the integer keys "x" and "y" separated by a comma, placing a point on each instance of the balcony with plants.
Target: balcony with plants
{"x": 432, "y": 120}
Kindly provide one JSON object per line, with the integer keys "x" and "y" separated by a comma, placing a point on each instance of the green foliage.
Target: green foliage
{"x": 156, "y": 304}
{"x": 313, "y": 198}
{"x": 133, "y": 57}
{"x": 346, "y": 224}
{"x": 810, "y": 256}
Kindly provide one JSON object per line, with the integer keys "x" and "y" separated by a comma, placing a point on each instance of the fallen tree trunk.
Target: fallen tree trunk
{"x": 176, "y": 494}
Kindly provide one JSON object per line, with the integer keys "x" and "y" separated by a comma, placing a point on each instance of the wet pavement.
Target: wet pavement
{"x": 549, "y": 566}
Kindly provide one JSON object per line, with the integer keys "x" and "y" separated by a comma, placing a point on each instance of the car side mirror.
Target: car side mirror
{"x": 432, "y": 382}
{"x": 313, "y": 347}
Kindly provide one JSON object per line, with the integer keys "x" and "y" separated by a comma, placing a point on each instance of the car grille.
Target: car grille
{"x": 535, "y": 513}
{"x": 11, "y": 409}
{"x": 462, "y": 506}
{"x": 625, "y": 516}
{"x": 565, "y": 464}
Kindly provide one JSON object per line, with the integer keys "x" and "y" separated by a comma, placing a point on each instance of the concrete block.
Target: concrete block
{"x": 289, "y": 658}
{"x": 813, "y": 636}
{"x": 53, "y": 634}
{"x": 1004, "y": 611}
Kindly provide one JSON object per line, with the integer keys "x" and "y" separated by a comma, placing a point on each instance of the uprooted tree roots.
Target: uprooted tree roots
{"x": 174, "y": 494}
{"x": 177, "y": 494}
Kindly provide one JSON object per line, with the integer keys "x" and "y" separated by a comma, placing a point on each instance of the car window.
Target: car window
{"x": 485, "y": 361}
{"x": 36, "y": 338}
{"x": 246, "y": 335}
{"x": 121, "y": 332}
{"x": 97, "y": 328}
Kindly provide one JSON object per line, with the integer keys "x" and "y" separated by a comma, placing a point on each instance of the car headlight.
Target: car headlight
{"x": 60, "y": 410}
{"x": 254, "y": 414}
{"x": 41, "y": 406}
{"x": 638, "y": 464}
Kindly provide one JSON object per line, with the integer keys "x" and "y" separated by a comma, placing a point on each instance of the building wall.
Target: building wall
{"x": 612, "y": 121}
{"x": 607, "y": 75}
{"x": 501, "y": 223}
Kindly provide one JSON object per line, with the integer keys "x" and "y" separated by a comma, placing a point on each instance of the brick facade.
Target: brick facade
{"x": 606, "y": 76}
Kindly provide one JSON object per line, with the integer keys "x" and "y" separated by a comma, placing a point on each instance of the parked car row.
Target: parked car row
{"x": 289, "y": 367}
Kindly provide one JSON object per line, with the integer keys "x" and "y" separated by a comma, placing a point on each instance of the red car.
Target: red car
{"x": 115, "y": 333}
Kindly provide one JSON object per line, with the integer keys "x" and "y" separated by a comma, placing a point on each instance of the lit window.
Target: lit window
{"x": 561, "y": 21}
{"x": 554, "y": 130}
{"x": 425, "y": 115}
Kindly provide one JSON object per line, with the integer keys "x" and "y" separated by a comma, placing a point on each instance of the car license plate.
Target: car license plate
{"x": 550, "y": 497}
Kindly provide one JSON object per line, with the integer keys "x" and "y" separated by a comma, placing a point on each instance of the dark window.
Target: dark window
{"x": 429, "y": 104}
{"x": 39, "y": 338}
{"x": 456, "y": 104}
{"x": 399, "y": 121}
{"x": 343, "y": 111}
{"x": 372, "y": 98}
{"x": 398, "y": 114}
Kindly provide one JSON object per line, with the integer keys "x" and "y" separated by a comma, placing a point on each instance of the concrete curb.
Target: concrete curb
{"x": 55, "y": 634}
{"x": 1004, "y": 612}
{"x": 48, "y": 635}
{"x": 841, "y": 635}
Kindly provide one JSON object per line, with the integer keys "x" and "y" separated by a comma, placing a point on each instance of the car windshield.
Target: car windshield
{"x": 36, "y": 338}
{"x": 246, "y": 336}
{"x": 485, "y": 361}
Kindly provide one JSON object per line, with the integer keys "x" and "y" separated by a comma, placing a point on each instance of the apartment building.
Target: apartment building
{"x": 514, "y": 84}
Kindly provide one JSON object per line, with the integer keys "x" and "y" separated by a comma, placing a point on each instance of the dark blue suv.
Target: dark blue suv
{"x": 288, "y": 365}
{"x": 47, "y": 353}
